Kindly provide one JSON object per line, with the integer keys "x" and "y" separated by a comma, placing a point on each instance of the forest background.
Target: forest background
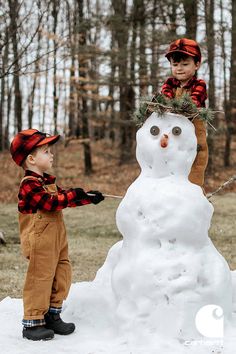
{"x": 79, "y": 68}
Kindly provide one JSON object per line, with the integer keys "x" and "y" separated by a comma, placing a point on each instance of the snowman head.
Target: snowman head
{"x": 166, "y": 145}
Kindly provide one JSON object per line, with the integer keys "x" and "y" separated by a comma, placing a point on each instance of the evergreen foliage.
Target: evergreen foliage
{"x": 161, "y": 104}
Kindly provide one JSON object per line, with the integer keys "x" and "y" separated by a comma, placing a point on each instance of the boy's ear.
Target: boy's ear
{"x": 30, "y": 159}
{"x": 198, "y": 64}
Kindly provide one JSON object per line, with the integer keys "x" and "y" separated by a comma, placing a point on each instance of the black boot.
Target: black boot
{"x": 54, "y": 322}
{"x": 37, "y": 333}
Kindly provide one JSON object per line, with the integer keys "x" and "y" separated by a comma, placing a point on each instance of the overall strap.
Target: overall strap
{"x": 32, "y": 178}
{"x": 50, "y": 188}
{"x": 180, "y": 91}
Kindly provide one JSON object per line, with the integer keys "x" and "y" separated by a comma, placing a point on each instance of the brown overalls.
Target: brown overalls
{"x": 44, "y": 244}
{"x": 197, "y": 172}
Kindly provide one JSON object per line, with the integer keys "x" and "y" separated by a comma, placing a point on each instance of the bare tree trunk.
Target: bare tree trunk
{"x": 231, "y": 107}
{"x": 55, "y": 94}
{"x": 2, "y": 99}
{"x": 142, "y": 43}
{"x": 83, "y": 69}
{"x": 71, "y": 18}
{"x": 210, "y": 35}
{"x": 98, "y": 131}
{"x": 190, "y": 15}
{"x": 133, "y": 50}
{"x": 225, "y": 101}
{"x": 110, "y": 103}
{"x": 155, "y": 53}
{"x": 120, "y": 27}
{"x": 45, "y": 91}
{"x": 223, "y": 53}
{"x": 13, "y": 6}
{"x": 173, "y": 19}
{"x": 9, "y": 98}
{"x": 32, "y": 93}
{"x": 72, "y": 100}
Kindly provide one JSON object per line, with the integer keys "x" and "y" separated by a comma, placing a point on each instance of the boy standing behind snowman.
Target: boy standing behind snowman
{"x": 184, "y": 56}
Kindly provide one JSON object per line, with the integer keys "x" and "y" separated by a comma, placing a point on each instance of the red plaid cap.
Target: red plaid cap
{"x": 26, "y": 141}
{"x": 186, "y": 46}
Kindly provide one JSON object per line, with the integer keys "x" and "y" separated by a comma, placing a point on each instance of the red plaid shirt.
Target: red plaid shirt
{"x": 32, "y": 195}
{"x": 196, "y": 88}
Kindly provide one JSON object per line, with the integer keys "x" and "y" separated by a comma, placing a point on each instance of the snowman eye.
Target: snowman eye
{"x": 154, "y": 130}
{"x": 176, "y": 131}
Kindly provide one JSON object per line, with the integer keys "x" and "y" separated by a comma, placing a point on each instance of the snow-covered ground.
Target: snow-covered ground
{"x": 87, "y": 341}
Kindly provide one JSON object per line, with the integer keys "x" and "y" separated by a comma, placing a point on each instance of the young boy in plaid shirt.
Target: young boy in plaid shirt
{"x": 43, "y": 235}
{"x": 184, "y": 56}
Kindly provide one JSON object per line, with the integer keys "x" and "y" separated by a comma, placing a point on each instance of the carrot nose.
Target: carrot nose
{"x": 164, "y": 140}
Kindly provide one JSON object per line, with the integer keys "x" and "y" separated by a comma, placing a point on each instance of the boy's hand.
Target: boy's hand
{"x": 95, "y": 196}
{"x": 80, "y": 193}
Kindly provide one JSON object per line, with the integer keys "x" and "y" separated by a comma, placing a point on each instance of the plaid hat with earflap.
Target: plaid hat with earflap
{"x": 26, "y": 141}
{"x": 185, "y": 46}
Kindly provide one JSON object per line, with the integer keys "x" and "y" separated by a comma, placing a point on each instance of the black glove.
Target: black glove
{"x": 80, "y": 193}
{"x": 96, "y": 196}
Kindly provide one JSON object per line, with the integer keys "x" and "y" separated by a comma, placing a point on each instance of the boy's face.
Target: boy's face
{"x": 42, "y": 159}
{"x": 184, "y": 70}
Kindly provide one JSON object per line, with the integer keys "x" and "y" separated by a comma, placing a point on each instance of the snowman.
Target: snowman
{"x": 168, "y": 267}
{"x": 154, "y": 283}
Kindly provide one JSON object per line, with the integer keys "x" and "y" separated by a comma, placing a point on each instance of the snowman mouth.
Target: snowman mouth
{"x": 164, "y": 141}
